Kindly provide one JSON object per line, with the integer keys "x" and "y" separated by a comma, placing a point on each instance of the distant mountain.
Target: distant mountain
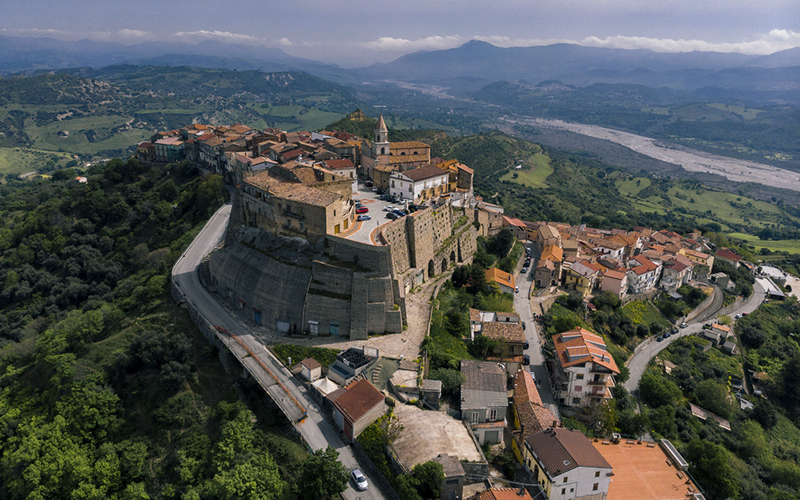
{"x": 476, "y": 64}
{"x": 31, "y": 54}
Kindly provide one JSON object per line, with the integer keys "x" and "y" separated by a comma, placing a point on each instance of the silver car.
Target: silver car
{"x": 359, "y": 479}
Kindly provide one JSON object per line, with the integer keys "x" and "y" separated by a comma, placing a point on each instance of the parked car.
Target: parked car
{"x": 744, "y": 314}
{"x": 674, "y": 331}
{"x": 524, "y": 270}
{"x": 737, "y": 316}
{"x": 386, "y": 197}
{"x": 356, "y": 201}
{"x": 388, "y": 208}
{"x": 364, "y": 217}
{"x": 516, "y": 289}
{"x": 684, "y": 325}
{"x": 523, "y": 327}
{"x": 525, "y": 345}
{"x": 659, "y": 338}
{"x": 400, "y": 213}
{"x": 666, "y": 335}
{"x": 359, "y": 479}
{"x": 368, "y": 184}
{"x": 392, "y": 216}
{"x": 362, "y": 210}
{"x": 526, "y": 360}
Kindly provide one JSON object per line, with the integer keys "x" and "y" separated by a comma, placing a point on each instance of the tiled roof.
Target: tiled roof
{"x": 408, "y": 159}
{"x": 293, "y": 191}
{"x": 533, "y": 415}
{"x": 474, "y": 315}
{"x": 645, "y": 265}
{"x": 501, "y": 277}
{"x": 503, "y": 494}
{"x": 548, "y": 231}
{"x": 615, "y": 275}
{"x": 409, "y": 145}
{"x": 423, "y": 173}
{"x": 578, "y": 346}
{"x": 508, "y": 332}
{"x": 584, "y": 269}
{"x": 552, "y": 252}
{"x": 513, "y": 222}
{"x": 311, "y": 363}
{"x": 727, "y": 254}
{"x": 561, "y": 450}
{"x": 338, "y": 164}
{"x": 360, "y": 397}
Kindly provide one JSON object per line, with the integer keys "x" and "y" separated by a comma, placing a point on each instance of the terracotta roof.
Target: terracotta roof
{"x": 294, "y": 191}
{"x": 727, "y": 254}
{"x": 578, "y": 346}
{"x": 423, "y": 173}
{"x": 616, "y": 275}
{"x": 508, "y": 332}
{"x": 409, "y": 145}
{"x": 646, "y": 265}
{"x": 501, "y": 277}
{"x": 513, "y": 222}
{"x": 533, "y": 415}
{"x": 360, "y": 397}
{"x": 408, "y": 158}
{"x": 552, "y": 252}
{"x": 338, "y": 164}
{"x": 465, "y": 168}
{"x": 474, "y": 315}
{"x": 311, "y": 363}
{"x": 561, "y": 450}
{"x": 503, "y": 494}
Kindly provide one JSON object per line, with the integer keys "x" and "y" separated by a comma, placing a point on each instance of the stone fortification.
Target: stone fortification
{"x": 426, "y": 243}
{"x": 340, "y": 288}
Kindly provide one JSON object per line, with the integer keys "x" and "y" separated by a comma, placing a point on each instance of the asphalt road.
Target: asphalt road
{"x": 648, "y": 349}
{"x": 522, "y": 305}
{"x": 315, "y": 429}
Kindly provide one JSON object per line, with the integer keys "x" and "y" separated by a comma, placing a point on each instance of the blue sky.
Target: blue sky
{"x": 360, "y": 32}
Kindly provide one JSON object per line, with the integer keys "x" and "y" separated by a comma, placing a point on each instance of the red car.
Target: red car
{"x": 362, "y": 210}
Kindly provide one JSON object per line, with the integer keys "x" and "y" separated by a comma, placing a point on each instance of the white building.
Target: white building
{"x": 644, "y": 274}
{"x": 419, "y": 184}
{"x": 566, "y": 465}
{"x": 584, "y": 369}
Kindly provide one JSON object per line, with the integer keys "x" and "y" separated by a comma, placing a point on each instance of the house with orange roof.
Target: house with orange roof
{"x": 615, "y": 282}
{"x": 548, "y": 235}
{"x": 516, "y": 226}
{"x": 643, "y": 274}
{"x": 503, "y": 494}
{"x": 529, "y": 414}
{"x": 584, "y": 369}
{"x": 358, "y": 406}
{"x": 582, "y": 276}
{"x": 502, "y": 279}
{"x": 548, "y": 269}
{"x": 729, "y": 256}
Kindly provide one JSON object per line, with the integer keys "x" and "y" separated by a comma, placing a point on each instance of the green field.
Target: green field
{"x": 706, "y": 204}
{"x": 297, "y": 117}
{"x": 644, "y": 313}
{"x": 46, "y": 137}
{"x": 22, "y": 160}
{"x": 534, "y": 173}
{"x": 791, "y": 246}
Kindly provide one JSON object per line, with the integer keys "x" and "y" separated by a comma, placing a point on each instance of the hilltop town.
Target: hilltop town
{"x": 343, "y": 242}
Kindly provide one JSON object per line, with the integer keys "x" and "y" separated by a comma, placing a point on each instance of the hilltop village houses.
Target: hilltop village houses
{"x": 295, "y": 260}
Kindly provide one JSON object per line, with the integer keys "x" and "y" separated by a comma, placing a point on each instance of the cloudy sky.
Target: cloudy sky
{"x": 360, "y": 32}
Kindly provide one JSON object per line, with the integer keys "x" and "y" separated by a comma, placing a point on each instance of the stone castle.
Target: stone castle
{"x": 289, "y": 265}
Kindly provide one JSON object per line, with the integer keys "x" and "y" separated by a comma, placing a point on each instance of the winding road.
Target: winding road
{"x": 314, "y": 428}
{"x": 648, "y": 349}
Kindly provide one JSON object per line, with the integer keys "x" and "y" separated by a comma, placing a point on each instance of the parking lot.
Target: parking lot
{"x": 371, "y": 200}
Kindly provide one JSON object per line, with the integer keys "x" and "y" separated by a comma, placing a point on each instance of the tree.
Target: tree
{"x": 323, "y": 475}
{"x": 257, "y": 478}
{"x": 714, "y": 397}
{"x": 429, "y": 476}
{"x": 657, "y": 391}
{"x": 455, "y": 323}
{"x": 451, "y": 380}
{"x": 501, "y": 243}
{"x": 710, "y": 464}
{"x": 606, "y": 300}
{"x": 765, "y": 413}
{"x": 406, "y": 487}
{"x": 461, "y": 275}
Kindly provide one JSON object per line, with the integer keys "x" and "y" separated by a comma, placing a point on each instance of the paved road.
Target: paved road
{"x": 315, "y": 429}
{"x": 648, "y": 349}
{"x": 522, "y": 305}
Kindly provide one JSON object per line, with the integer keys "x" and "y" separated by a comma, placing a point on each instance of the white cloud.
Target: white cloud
{"x": 774, "y": 41}
{"x": 390, "y": 44}
{"x": 285, "y": 42}
{"x": 223, "y": 36}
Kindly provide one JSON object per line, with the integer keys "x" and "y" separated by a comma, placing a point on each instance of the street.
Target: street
{"x": 648, "y": 349}
{"x": 315, "y": 429}
{"x": 522, "y": 305}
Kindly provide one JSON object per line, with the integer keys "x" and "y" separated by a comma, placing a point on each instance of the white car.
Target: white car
{"x": 388, "y": 208}
{"x": 359, "y": 479}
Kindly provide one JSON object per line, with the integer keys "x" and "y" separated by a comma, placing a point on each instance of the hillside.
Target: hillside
{"x": 106, "y": 112}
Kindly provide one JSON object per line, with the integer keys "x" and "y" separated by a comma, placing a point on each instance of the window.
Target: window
{"x": 595, "y": 486}
{"x": 392, "y": 182}
{"x": 493, "y": 414}
{"x": 597, "y": 474}
{"x": 579, "y": 376}
{"x": 563, "y": 491}
{"x": 578, "y": 388}
{"x": 474, "y": 419}
{"x": 565, "y": 479}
